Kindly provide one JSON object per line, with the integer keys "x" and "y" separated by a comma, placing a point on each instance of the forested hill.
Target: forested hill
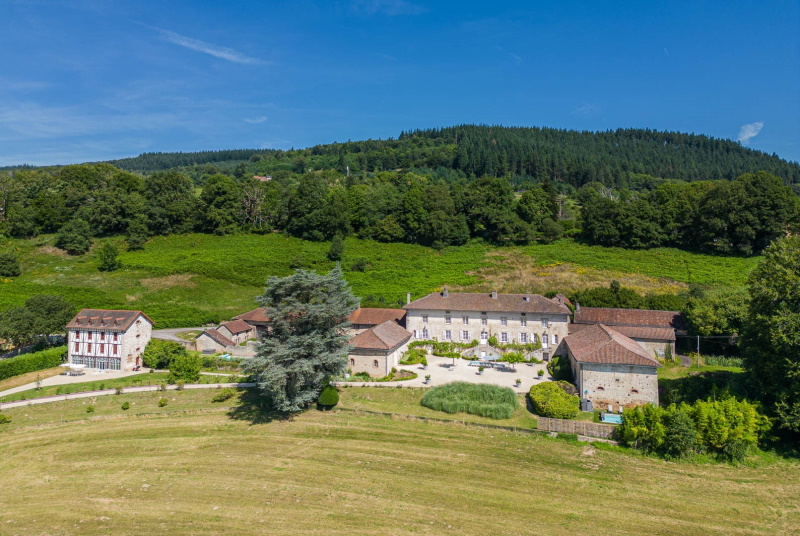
{"x": 622, "y": 158}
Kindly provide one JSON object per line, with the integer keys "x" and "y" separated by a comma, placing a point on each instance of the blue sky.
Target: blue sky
{"x": 86, "y": 80}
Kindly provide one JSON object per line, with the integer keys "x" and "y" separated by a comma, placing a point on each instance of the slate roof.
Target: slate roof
{"x": 257, "y": 316}
{"x": 375, "y": 316}
{"x": 105, "y": 319}
{"x": 600, "y": 344}
{"x": 237, "y": 326}
{"x": 218, "y": 337}
{"x": 464, "y": 301}
{"x": 385, "y": 336}
{"x": 634, "y": 332}
{"x": 629, "y": 317}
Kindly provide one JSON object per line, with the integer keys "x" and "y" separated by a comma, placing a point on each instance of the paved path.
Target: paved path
{"x": 105, "y": 392}
{"x": 442, "y": 370}
{"x": 171, "y": 334}
{"x": 90, "y": 376}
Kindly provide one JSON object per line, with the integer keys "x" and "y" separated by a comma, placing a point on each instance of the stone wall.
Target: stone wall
{"x": 618, "y": 385}
{"x": 655, "y": 347}
{"x": 363, "y": 360}
{"x": 563, "y": 426}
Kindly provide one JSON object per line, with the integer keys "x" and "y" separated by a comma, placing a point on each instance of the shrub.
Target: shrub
{"x": 550, "y": 400}
{"x": 4, "y": 419}
{"x": 119, "y": 390}
{"x": 108, "y": 255}
{"x": 159, "y": 353}
{"x": 329, "y": 396}
{"x": 185, "y": 367}
{"x": 414, "y": 356}
{"x": 89, "y": 409}
{"x": 22, "y": 364}
{"x": 723, "y": 361}
{"x": 126, "y": 406}
{"x": 180, "y": 384}
{"x": 9, "y": 265}
{"x": 680, "y": 437}
{"x": 223, "y": 395}
{"x": 162, "y": 402}
{"x": 162, "y": 386}
{"x": 560, "y": 369}
{"x": 75, "y": 237}
{"x": 489, "y": 401}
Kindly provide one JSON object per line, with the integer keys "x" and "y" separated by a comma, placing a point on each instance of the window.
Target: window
{"x": 545, "y": 340}
{"x": 484, "y": 336}
{"x": 465, "y": 335}
{"x": 635, "y": 391}
{"x": 601, "y": 388}
{"x": 555, "y": 339}
{"x": 352, "y": 362}
{"x": 375, "y": 363}
{"x": 447, "y": 319}
{"x": 425, "y": 333}
{"x": 545, "y": 323}
{"x": 504, "y": 337}
{"x": 523, "y": 321}
{"x": 424, "y": 319}
{"x": 102, "y": 336}
{"x": 504, "y": 321}
{"x": 484, "y": 320}
{"x": 523, "y": 338}
{"x": 448, "y": 335}
{"x": 416, "y": 334}
{"x": 465, "y": 319}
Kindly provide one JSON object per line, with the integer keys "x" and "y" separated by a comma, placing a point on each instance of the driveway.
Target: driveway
{"x": 171, "y": 334}
{"x": 90, "y": 376}
{"x": 442, "y": 370}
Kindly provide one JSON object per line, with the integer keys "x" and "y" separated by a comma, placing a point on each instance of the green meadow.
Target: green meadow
{"x": 194, "y": 279}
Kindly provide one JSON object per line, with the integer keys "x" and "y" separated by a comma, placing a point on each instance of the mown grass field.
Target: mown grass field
{"x": 195, "y": 279}
{"x": 194, "y": 467}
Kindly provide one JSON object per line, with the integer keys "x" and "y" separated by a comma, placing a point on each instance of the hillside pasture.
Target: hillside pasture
{"x": 197, "y": 467}
{"x": 193, "y": 280}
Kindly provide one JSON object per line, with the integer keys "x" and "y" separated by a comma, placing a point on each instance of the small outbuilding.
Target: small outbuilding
{"x": 378, "y": 349}
{"x": 610, "y": 368}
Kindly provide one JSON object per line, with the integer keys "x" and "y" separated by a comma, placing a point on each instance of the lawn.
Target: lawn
{"x": 193, "y": 467}
{"x": 192, "y": 280}
{"x": 29, "y": 377}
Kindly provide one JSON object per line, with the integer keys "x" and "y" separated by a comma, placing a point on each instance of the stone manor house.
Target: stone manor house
{"x": 108, "y": 339}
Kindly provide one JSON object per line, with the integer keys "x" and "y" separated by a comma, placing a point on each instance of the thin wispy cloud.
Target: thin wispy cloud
{"x": 586, "y": 109}
{"x": 256, "y": 120}
{"x": 750, "y": 131}
{"x": 387, "y": 7}
{"x": 223, "y": 53}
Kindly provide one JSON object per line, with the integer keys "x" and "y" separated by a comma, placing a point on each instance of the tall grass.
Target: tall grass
{"x": 723, "y": 361}
{"x": 489, "y": 401}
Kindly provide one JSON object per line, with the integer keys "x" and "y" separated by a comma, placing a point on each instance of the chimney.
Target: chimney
{"x": 444, "y": 292}
{"x": 494, "y": 294}
{"x": 408, "y": 298}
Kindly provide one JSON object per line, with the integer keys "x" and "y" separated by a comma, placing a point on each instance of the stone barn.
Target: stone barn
{"x": 610, "y": 368}
{"x": 379, "y": 349}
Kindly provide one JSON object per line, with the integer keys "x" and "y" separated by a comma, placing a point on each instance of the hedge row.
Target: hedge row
{"x": 45, "y": 359}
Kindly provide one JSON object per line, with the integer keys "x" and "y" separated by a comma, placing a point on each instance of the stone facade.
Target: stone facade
{"x": 509, "y": 318}
{"x": 108, "y": 339}
{"x": 376, "y": 363}
{"x": 617, "y": 385}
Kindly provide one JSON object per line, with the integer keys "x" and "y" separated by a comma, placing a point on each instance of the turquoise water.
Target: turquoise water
{"x": 614, "y": 419}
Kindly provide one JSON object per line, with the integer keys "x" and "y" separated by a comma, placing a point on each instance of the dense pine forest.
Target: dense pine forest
{"x": 438, "y": 187}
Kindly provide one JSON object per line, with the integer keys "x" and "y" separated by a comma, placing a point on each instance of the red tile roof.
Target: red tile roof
{"x": 600, "y": 344}
{"x": 255, "y": 316}
{"x": 218, "y": 337}
{"x": 634, "y": 332}
{"x": 237, "y": 326}
{"x": 629, "y": 317}
{"x": 385, "y": 336}
{"x": 374, "y": 316}
{"x": 104, "y": 319}
{"x": 463, "y": 301}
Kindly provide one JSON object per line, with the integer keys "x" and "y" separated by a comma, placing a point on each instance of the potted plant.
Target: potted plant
{"x": 518, "y": 381}
{"x": 424, "y": 364}
{"x": 427, "y": 378}
{"x": 540, "y": 373}
{"x": 480, "y": 370}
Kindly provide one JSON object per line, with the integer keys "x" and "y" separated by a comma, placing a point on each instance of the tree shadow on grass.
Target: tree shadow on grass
{"x": 256, "y": 409}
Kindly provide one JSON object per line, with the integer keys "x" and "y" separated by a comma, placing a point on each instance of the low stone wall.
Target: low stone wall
{"x": 562, "y": 426}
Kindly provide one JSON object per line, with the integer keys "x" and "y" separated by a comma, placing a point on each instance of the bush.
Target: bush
{"x": 329, "y": 397}
{"x": 561, "y": 369}
{"x": 162, "y": 402}
{"x": 9, "y": 265}
{"x": 489, "y": 401}
{"x": 108, "y": 255}
{"x": 75, "y": 237}
{"x": 185, "y": 367}
{"x": 223, "y": 395}
{"x": 159, "y": 353}
{"x": 45, "y": 359}
{"x": 723, "y": 361}
{"x": 126, "y": 406}
{"x": 550, "y": 400}
{"x": 89, "y": 409}
{"x": 414, "y": 356}
{"x": 4, "y": 419}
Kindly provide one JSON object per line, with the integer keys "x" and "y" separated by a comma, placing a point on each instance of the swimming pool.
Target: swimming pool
{"x": 612, "y": 418}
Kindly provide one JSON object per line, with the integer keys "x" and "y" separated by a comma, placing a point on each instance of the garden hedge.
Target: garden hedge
{"x": 52, "y": 357}
{"x": 550, "y": 400}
